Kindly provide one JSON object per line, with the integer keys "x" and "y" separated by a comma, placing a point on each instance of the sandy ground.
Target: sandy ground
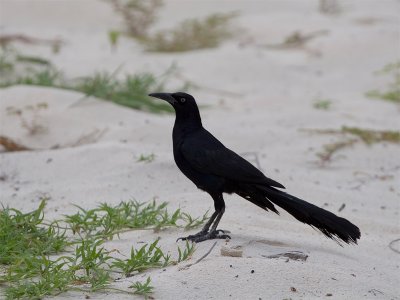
{"x": 270, "y": 102}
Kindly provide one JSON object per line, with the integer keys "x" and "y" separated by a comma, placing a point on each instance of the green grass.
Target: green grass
{"x": 392, "y": 92}
{"x": 185, "y": 253}
{"x": 42, "y": 258}
{"x": 90, "y": 256}
{"x": 106, "y": 221}
{"x": 332, "y": 148}
{"x": 147, "y": 257}
{"x": 130, "y": 90}
{"x": 50, "y": 282}
{"x": 22, "y": 235}
{"x": 113, "y": 37}
{"x": 144, "y": 289}
{"x": 367, "y": 136}
{"x": 137, "y": 15}
{"x": 33, "y": 59}
{"x": 146, "y": 158}
{"x": 322, "y": 104}
{"x": 192, "y": 34}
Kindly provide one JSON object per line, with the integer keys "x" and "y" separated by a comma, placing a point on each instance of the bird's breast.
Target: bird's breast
{"x": 206, "y": 182}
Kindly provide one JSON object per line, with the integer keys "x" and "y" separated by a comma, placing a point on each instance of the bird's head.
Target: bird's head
{"x": 180, "y": 101}
{"x": 184, "y": 104}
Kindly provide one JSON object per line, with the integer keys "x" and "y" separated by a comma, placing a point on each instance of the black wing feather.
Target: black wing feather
{"x": 209, "y": 156}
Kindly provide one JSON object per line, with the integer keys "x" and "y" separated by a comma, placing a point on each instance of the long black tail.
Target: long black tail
{"x": 332, "y": 226}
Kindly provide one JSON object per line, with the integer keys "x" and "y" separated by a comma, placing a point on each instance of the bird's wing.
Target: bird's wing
{"x": 207, "y": 155}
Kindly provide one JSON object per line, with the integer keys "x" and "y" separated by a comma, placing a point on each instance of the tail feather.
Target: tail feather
{"x": 258, "y": 199}
{"x": 332, "y": 226}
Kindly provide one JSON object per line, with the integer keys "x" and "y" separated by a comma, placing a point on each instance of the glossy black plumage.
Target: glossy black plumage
{"x": 216, "y": 169}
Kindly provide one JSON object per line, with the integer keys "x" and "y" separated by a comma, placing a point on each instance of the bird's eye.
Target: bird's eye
{"x": 182, "y": 100}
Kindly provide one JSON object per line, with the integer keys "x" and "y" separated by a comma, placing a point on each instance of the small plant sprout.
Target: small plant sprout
{"x": 144, "y": 289}
{"x": 146, "y": 158}
{"x": 186, "y": 253}
{"x": 330, "y": 149}
{"x": 30, "y": 117}
{"x": 392, "y": 93}
{"x": 322, "y": 104}
{"x": 147, "y": 257}
{"x": 90, "y": 256}
{"x": 194, "y": 222}
{"x": 113, "y": 37}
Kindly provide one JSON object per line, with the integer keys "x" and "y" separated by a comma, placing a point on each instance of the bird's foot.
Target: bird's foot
{"x": 205, "y": 235}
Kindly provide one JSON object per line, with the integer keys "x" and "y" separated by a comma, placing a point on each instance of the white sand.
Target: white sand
{"x": 273, "y": 95}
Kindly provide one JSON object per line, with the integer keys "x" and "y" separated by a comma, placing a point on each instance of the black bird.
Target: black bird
{"x": 216, "y": 169}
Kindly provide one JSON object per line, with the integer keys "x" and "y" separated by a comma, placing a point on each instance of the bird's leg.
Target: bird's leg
{"x": 206, "y": 227}
{"x": 216, "y": 222}
{"x": 206, "y": 233}
{"x": 213, "y": 233}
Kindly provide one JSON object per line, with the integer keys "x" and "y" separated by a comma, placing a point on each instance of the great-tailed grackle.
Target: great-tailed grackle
{"x": 216, "y": 169}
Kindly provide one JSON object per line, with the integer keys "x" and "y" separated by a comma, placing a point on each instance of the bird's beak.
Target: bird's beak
{"x": 164, "y": 96}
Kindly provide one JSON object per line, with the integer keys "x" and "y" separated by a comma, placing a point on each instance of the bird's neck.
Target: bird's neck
{"x": 185, "y": 123}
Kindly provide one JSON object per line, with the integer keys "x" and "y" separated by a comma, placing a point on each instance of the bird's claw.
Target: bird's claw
{"x": 192, "y": 236}
{"x": 204, "y": 235}
{"x": 222, "y": 231}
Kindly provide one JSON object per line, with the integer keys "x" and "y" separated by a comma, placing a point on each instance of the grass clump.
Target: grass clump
{"x": 89, "y": 256}
{"x": 40, "y": 276}
{"x": 193, "y": 34}
{"x": 143, "y": 289}
{"x": 21, "y": 69}
{"x": 186, "y": 253}
{"x": 322, "y": 104}
{"x": 146, "y": 158}
{"x": 147, "y": 257}
{"x": 138, "y": 15}
{"x": 130, "y": 91}
{"x": 46, "y": 259}
{"x": 367, "y": 136}
{"x": 22, "y": 234}
{"x": 392, "y": 93}
{"x": 330, "y": 149}
{"x": 106, "y": 221}
{"x": 48, "y": 77}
